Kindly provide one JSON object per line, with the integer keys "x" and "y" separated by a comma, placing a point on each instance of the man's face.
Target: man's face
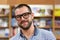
{"x": 24, "y": 17}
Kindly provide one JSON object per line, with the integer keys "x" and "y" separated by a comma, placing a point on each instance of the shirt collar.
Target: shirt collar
{"x": 35, "y": 32}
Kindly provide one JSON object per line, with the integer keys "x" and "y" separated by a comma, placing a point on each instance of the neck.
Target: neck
{"x": 28, "y": 33}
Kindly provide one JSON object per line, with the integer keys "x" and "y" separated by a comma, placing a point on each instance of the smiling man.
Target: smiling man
{"x": 28, "y": 31}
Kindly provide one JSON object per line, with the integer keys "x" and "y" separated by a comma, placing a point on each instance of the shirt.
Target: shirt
{"x": 39, "y": 34}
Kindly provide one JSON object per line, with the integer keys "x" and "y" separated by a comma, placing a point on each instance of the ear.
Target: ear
{"x": 32, "y": 15}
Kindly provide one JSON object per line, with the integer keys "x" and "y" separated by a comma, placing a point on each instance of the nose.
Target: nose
{"x": 22, "y": 18}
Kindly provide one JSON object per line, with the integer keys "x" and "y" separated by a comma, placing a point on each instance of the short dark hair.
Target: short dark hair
{"x": 21, "y": 5}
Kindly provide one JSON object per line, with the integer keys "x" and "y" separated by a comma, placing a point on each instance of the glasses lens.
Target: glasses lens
{"x": 18, "y": 16}
{"x": 26, "y": 15}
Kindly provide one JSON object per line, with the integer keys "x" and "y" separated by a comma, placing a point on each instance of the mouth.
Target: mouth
{"x": 24, "y": 23}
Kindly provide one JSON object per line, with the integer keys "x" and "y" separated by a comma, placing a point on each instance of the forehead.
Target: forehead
{"x": 21, "y": 10}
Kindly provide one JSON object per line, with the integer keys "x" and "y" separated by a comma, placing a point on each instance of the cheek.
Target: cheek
{"x": 18, "y": 21}
{"x": 30, "y": 19}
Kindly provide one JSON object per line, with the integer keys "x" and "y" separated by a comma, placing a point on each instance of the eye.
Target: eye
{"x": 18, "y": 16}
{"x": 25, "y": 14}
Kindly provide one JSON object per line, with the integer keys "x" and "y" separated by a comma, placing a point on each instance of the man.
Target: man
{"x": 28, "y": 31}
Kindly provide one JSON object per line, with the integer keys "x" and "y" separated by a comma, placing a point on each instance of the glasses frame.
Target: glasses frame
{"x": 24, "y": 15}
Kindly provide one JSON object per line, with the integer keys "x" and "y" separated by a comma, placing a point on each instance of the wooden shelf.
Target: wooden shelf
{"x": 46, "y": 27}
{"x": 4, "y": 37}
{"x": 57, "y": 36}
{"x": 3, "y": 27}
{"x": 2, "y": 15}
{"x": 57, "y": 26}
{"x": 14, "y": 26}
{"x": 57, "y": 16}
{"x": 42, "y": 16}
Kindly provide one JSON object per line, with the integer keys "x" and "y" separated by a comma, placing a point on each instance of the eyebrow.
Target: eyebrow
{"x": 23, "y": 13}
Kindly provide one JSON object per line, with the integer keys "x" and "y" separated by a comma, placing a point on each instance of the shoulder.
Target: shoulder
{"x": 45, "y": 31}
{"x": 47, "y": 34}
{"x": 15, "y": 37}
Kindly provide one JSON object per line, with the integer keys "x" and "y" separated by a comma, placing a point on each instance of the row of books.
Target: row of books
{"x": 43, "y": 22}
{"x": 57, "y": 32}
{"x": 3, "y": 22}
{"x": 57, "y": 22}
{"x": 57, "y": 10}
{"x": 40, "y": 10}
{"x": 4, "y": 9}
{"x": 4, "y": 32}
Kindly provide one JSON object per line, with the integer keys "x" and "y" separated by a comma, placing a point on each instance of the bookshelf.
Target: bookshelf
{"x": 51, "y": 21}
{"x": 4, "y": 22}
{"x": 57, "y": 21}
{"x": 55, "y": 27}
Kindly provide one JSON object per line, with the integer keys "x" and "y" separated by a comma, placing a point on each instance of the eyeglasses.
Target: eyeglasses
{"x": 24, "y": 15}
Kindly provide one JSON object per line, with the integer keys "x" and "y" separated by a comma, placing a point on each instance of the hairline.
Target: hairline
{"x": 22, "y": 5}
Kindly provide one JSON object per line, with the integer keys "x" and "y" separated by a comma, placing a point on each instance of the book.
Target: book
{"x": 14, "y": 22}
{"x": 4, "y": 32}
{"x": 3, "y": 22}
{"x": 4, "y": 9}
{"x": 57, "y": 32}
